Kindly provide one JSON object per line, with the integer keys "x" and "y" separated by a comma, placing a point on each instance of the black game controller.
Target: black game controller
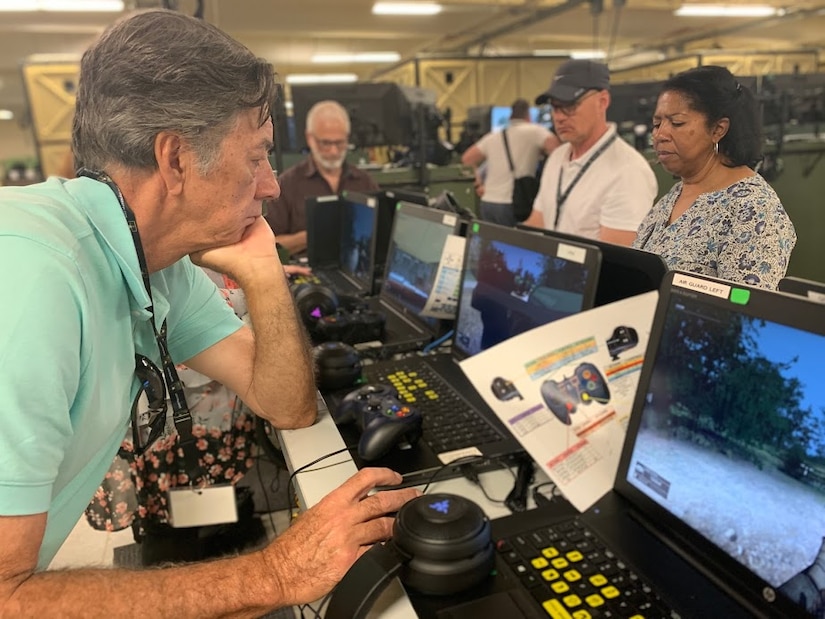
{"x": 504, "y": 389}
{"x": 623, "y": 338}
{"x": 586, "y": 385}
{"x": 382, "y": 418}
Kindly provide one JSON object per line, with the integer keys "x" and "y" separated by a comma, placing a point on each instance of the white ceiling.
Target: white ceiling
{"x": 289, "y": 33}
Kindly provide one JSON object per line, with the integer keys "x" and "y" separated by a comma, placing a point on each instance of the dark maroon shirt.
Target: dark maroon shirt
{"x": 286, "y": 215}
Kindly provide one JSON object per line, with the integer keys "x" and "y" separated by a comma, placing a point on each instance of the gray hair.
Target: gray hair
{"x": 160, "y": 70}
{"x": 327, "y": 109}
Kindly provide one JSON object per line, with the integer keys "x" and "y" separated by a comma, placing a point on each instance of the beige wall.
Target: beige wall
{"x": 15, "y": 142}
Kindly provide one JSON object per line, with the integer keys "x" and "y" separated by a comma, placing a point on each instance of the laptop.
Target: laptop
{"x": 718, "y": 506}
{"x": 815, "y": 291}
{"x": 416, "y": 244}
{"x": 625, "y": 272}
{"x": 384, "y": 216}
{"x": 341, "y": 243}
{"x": 512, "y": 281}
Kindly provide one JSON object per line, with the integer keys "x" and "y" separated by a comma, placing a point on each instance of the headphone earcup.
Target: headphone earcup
{"x": 338, "y": 365}
{"x": 449, "y": 541}
{"x": 314, "y": 301}
{"x": 441, "y": 545}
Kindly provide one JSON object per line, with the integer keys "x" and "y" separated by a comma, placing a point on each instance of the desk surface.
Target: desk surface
{"x": 300, "y": 447}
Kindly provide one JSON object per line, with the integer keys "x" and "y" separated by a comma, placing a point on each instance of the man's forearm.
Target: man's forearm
{"x": 283, "y": 383}
{"x": 293, "y": 242}
{"x": 241, "y": 586}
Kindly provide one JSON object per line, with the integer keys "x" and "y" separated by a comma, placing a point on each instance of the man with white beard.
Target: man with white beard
{"x": 324, "y": 172}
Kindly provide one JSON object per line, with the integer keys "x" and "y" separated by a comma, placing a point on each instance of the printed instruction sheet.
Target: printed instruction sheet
{"x": 566, "y": 389}
{"x": 443, "y": 300}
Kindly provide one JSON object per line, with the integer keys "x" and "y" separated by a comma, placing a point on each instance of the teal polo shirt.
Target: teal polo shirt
{"x": 72, "y": 317}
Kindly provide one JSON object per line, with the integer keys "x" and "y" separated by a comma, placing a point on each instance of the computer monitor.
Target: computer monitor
{"x": 381, "y": 113}
{"x": 500, "y": 116}
{"x": 418, "y": 238}
{"x": 515, "y": 281}
{"x": 357, "y": 240}
{"x": 815, "y": 291}
{"x": 625, "y": 271}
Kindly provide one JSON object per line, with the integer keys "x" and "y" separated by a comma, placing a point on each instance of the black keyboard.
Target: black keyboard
{"x": 572, "y": 575}
{"x": 449, "y": 422}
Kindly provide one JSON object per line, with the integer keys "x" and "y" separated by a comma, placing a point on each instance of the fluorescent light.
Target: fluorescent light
{"x": 321, "y": 78}
{"x": 578, "y": 54}
{"x": 6, "y": 115}
{"x": 727, "y": 10}
{"x": 78, "y": 6}
{"x": 406, "y": 8}
{"x": 358, "y": 57}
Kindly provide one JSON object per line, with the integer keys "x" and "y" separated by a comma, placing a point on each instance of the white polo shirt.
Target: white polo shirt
{"x": 526, "y": 140}
{"x": 616, "y": 191}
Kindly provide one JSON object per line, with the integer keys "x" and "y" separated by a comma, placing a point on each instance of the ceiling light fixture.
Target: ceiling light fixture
{"x": 78, "y": 6}
{"x": 321, "y": 78}
{"x": 727, "y": 10}
{"x": 358, "y": 57}
{"x": 406, "y": 8}
{"x": 578, "y": 54}
{"x": 6, "y": 115}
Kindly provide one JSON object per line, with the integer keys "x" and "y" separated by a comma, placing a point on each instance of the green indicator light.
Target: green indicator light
{"x": 397, "y": 206}
{"x": 740, "y": 296}
{"x": 475, "y": 227}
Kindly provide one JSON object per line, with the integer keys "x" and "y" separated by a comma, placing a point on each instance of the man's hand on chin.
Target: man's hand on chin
{"x": 256, "y": 244}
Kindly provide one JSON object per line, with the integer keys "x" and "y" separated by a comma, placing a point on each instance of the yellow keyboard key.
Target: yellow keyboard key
{"x": 571, "y": 601}
{"x": 539, "y": 563}
{"x": 594, "y": 600}
{"x": 550, "y": 552}
{"x": 572, "y": 575}
{"x": 560, "y": 562}
{"x": 581, "y": 614}
{"x": 555, "y": 609}
{"x": 598, "y": 580}
{"x": 574, "y": 555}
{"x": 549, "y": 575}
{"x": 610, "y": 592}
{"x": 560, "y": 587}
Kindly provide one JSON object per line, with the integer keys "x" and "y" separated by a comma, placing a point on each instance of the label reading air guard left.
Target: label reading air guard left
{"x": 701, "y": 285}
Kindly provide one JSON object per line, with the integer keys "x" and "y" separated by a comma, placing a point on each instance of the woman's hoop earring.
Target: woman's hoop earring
{"x": 716, "y": 148}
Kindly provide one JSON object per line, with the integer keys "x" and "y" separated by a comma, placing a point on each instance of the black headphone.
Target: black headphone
{"x": 338, "y": 365}
{"x": 314, "y": 301}
{"x": 441, "y": 545}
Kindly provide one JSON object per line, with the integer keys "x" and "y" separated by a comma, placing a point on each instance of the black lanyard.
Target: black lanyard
{"x": 180, "y": 409}
{"x": 561, "y": 198}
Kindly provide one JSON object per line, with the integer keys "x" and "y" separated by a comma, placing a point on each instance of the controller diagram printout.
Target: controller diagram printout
{"x": 565, "y": 390}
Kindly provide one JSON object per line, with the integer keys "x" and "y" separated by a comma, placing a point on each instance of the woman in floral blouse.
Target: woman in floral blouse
{"x": 722, "y": 219}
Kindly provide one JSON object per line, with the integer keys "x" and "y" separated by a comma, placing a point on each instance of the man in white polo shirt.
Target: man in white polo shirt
{"x": 594, "y": 185}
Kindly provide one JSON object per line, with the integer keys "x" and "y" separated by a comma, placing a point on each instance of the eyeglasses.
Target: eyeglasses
{"x": 148, "y": 426}
{"x": 327, "y": 144}
{"x": 569, "y": 109}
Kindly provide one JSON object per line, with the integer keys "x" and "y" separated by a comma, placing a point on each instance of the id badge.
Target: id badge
{"x": 199, "y": 507}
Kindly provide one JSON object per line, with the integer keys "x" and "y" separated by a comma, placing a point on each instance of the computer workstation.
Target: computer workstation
{"x": 707, "y": 463}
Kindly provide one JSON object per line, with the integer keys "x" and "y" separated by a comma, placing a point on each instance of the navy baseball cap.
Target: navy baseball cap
{"x": 573, "y": 79}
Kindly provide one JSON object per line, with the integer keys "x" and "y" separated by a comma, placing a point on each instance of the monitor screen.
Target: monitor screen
{"x": 417, "y": 242}
{"x": 500, "y": 116}
{"x": 357, "y": 239}
{"x": 737, "y": 398}
{"x": 381, "y": 113}
{"x": 510, "y": 287}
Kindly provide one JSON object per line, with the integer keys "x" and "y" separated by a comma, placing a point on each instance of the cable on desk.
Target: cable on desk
{"x": 436, "y": 343}
{"x": 302, "y": 469}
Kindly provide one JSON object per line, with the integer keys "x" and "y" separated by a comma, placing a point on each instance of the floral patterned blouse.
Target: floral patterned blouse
{"x": 134, "y": 491}
{"x": 741, "y": 233}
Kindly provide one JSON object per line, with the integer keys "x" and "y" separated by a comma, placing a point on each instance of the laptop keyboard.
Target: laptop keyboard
{"x": 449, "y": 422}
{"x": 573, "y": 575}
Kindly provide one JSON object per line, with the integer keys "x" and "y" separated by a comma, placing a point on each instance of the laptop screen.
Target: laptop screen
{"x": 416, "y": 245}
{"x": 731, "y": 438}
{"x": 514, "y": 281}
{"x": 357, "y": 248}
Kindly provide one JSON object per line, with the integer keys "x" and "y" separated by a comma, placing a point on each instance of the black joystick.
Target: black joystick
{"x": 382, "y": 418}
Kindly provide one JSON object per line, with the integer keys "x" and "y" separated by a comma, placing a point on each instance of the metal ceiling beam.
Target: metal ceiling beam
{"x": 528, "y": 19}
{"x": 679, "y": 43}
